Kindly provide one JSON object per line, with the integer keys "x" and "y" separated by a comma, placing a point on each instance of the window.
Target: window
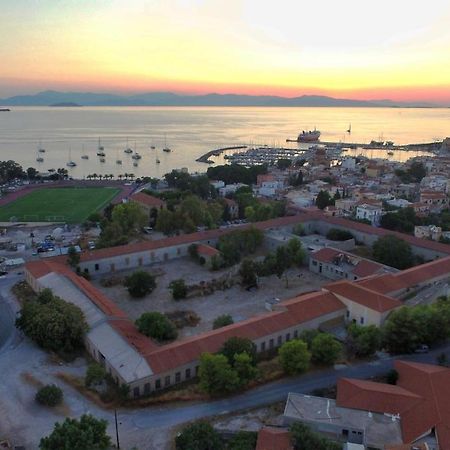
{"x": 361, "y": 321}
{"x": 177, "y": 377}
{"x": 271, "y": 343}
{"x": 288, "y": 336}
{"x": 280, "y": 340}
{"x": 187, "y": 374}
{"x": 295, "y": 334}
{"x": 113, "y": 267}
{"x": 158, "y": 384}
{"x": 136, "y": 391}
{"x": 167, "y": 380}
{"x": 263, "y": 346}
{"x": 140, "y": 261}
{"x": 314, "y": 263}
{"x": 347, "y": 314}
{"x": 178, "y": 250}
{"x": 127, "y": 261}
{"x": 147, "y": 388}
{"x": 96, "y": 267}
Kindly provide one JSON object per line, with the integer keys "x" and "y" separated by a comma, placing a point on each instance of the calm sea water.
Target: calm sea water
{"x": 190, "y": 132}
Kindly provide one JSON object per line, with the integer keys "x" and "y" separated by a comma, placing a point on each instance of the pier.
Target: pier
{"x": 205, "y": 158}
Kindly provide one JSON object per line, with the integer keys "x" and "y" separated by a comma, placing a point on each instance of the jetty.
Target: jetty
{"x": 218, "y": 151}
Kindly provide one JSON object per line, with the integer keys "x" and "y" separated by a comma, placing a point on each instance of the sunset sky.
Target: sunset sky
{"x": 397, "y": 49}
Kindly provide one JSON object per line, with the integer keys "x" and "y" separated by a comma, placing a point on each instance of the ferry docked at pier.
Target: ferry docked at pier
{"x": 309, "y": 136}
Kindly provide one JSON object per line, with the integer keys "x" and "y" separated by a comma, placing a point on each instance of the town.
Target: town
{"x": 255, "y": 306}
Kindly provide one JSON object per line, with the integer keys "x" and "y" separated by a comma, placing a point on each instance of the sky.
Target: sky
{"x": 383, "y": 49}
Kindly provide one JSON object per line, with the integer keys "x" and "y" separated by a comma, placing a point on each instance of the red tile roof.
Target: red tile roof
{"x": 207, "y": 250}
{"x": 270, "y": 438}
{"x": 148, "y": 200}
{"x": 360, "y": 294}
{"x": 421, "y": 397}
{"x": 364, "y": 268}
{"x": 301, "y": 309}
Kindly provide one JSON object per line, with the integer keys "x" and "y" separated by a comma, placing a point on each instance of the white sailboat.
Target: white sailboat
{"x": 349, "y": 131}
{"x": 39, "y": 158}
{"x": 136, "y": 155}
{"x": 40, "y": 148}
{"x": 166, "y": 148}
{"x": 118, "y": 161}
{"x": 84, "y": 155}
{"x": 128, "y": 149}
{"x": 100, "y": 148}
{"x": 71, "y": 163}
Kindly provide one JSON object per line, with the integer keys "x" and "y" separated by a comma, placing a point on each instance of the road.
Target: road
{"x": 269, "y": 393}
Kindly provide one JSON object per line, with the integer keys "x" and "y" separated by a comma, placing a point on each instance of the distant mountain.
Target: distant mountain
{"x": 66, "y": 104}
{"x": 170, "y": 99}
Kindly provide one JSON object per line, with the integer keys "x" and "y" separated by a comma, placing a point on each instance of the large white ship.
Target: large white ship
{"x": 309, "y": 136}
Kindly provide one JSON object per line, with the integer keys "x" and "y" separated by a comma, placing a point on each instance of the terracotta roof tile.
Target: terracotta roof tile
{"x": 207, "y": 250}
{"x": 148, "y": 200}
{"x": 270, "y": 438}
{"x": 360, "y": 294}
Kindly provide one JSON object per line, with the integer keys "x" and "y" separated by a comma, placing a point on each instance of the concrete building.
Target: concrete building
{"x": 370, "y": 213}
{"x": 146, "y": 366}
{"x": 338, "y": 264}
{"x": 437, "y": 201}
{"x": 150, "y": 204}
{"x": 428, "y": 232}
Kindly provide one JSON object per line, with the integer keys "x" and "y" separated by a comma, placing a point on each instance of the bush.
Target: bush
{"x": 306, "y": 439}
{"x": 393, "y": 251}
{"x": 157, "y": 326}
{"x": 198, "y": 436}
{"x": 140, "y": 284}
{"x": 52, "y": 323}
{"x": 363, "y": 341}
{"x": 325, "y": 349}
{"x": 216, "y": 375}
{"x": 294, "y": 357}
{"x": 50, "y": 395}
{"x": 178, "y": 288}
{"x": 243, "y": 440}
{"x": 336, "y": 234}
{"x": 222, "y": 321}
{"x": 236, "y": 345}
{"x": 88, "y": 433}
{"x": 95, "y": 374}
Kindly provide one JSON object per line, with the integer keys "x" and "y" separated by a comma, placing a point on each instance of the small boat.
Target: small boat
{"x": 390, "y": 153}
{"x": 135, "y": 164}
{"x": 157, "y": 161}
{"x": 349, "y": 131}
{"x": 309, "y": 136}
{"x": 4, "y": 109}
{"x": 51, "y": 170}
{"x": 84, "y": 155}
{"x": 70, "y": 163}
{"x": 101, "y": 153}
{"x": 100, "y": 146}
{"x": 152, "y": 147}
{"x": 40, "y": 159}
{"x": 40, "y": 148}
{"x": 166, "y": 148}
{"x": 128, "y": 149}
{"x": 102, "y": 159}
{"x": 136, "y": 155}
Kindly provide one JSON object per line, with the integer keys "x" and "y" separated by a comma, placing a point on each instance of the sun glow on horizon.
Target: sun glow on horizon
{"x": 385, "y": 49}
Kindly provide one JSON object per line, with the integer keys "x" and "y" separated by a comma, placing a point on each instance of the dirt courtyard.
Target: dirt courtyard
{"x": 236, "y": 301}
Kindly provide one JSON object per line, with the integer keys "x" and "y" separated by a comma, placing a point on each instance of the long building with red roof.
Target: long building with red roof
{"x": 146, "y": 366}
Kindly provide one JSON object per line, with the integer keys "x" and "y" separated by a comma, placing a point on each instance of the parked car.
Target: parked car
{"x": 91, "y": 245}
{"x": 422, "y": 349}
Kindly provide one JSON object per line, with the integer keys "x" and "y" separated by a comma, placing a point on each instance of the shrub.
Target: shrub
{"x": 50, "y": 395}
{"x": 178, "y": 288}
{"x": 198, "y": 436}
{"x": 294, "y": 356}
{"x": 157, "y": 326}
{"x": 325, "y": 349}
{"x": 222, "y": 321}
{"x": 236, "y": 345}
{"x": 216, "y": 374}
{"x": 140, "y": 284}
{"x": 95, "y": 374}
{"x": 336, "y": 234}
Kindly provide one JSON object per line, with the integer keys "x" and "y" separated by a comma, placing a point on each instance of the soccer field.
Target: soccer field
{"x": 71, "y": 205}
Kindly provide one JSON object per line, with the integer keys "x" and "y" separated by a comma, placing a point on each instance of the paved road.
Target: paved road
{"x": 263, "y": 395}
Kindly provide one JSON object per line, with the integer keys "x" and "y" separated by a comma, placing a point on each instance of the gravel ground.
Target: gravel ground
{"x": 238, "y": 302}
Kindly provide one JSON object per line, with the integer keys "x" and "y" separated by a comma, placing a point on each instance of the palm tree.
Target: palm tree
{"x": 100, "y": 176}
{"x": 94, "y": 176}
{"x": 126, "y": 176}
{"x": 131, "y": 175}
{"x": 120, "y": 176}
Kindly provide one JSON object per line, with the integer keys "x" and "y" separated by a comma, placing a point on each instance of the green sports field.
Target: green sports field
{"x": 71, "y": 205}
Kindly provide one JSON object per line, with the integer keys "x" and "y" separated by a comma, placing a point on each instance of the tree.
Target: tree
{"x": 363, "y": 341}
{"x": 294, "y": 357}
{"x": 236, "y": 345}
{"x": 283, "y": 163}
{"x": 49, "y": 395}
{"x": 222, "y": 321}
{"x": 216, "y": 374}
{"x": 325, "y": 349}
{"x": 336, "y": 234}
{"x": 95, "y": 374}
{"x": 32, "y": 173}
{"x": 88, "y": 433}
{"x": 198, "y": 436}
{"x": 140, "y": 284}
{"x": 73, "y": 258}
{"x": 400, "y": 331}
{"x": 244, "y": 366}
{"x": 306, "y": 439}
{"x": 324, "y": 199}
{"x": 393, "y": 251}
{"x": 52, "y": 323}
{"x": 130, "y": 216}
{"x": 157, "y": 326}
{"x": 308, "y": 336}
{"x": 243, "y": 440}
{"x": 247, "y": 272}
{"x": 178, "y": 288}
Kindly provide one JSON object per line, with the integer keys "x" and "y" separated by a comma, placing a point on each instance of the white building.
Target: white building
{"x": 369, "y": 212}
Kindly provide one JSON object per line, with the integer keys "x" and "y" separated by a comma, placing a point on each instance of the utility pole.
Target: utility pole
{"x": 117, "y": 429}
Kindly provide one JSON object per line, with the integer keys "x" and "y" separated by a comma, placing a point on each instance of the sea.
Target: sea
{"x": 67, "y": 133}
